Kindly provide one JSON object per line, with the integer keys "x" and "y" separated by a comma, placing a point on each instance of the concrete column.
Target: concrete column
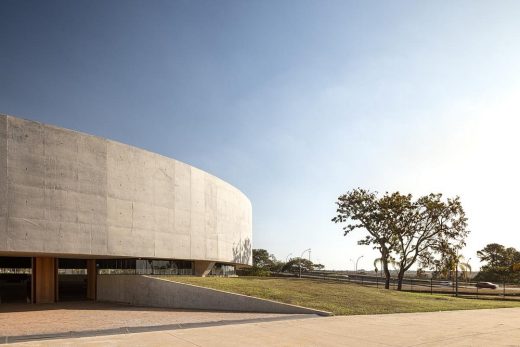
{"x": 45, "y": 284}
{"x": 91, "y": 279}
{"x": 202, "y": 268}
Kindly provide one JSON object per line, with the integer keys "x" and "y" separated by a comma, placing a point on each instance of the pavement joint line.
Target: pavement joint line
{"x": 183, "y": 339}
{"x": 151, "y": 328}
{"x": 362, "y": 339}
{"x": 459, "y": 337}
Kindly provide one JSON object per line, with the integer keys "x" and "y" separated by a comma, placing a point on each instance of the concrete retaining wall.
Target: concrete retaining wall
{"x": 156, "y": 292}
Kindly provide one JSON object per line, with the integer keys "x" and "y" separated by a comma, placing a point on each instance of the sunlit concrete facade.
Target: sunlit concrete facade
{"x": 69, "y": 194}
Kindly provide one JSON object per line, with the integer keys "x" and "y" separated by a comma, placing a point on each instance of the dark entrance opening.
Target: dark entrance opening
{"x": 72, "y": 279}
{"x": 15, "y": 279}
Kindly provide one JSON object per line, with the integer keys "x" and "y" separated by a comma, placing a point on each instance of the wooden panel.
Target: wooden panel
{"x": 202, "y": 267}
{"x": 91, "y": 279}
{"x": 44, "y": 280}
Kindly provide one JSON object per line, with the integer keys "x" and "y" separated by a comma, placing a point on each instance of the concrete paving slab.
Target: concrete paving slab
{"x": 21, "y": 322}
{"x": 499, "y": 327}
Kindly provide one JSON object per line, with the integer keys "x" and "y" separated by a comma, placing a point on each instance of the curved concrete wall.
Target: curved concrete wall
{"x": 68, "y": 193}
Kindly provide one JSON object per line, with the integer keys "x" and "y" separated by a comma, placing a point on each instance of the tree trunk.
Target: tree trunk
{"x": 384, "y": 260}
{"x": 387, "y": 274}
{"x": 400, "y": 277}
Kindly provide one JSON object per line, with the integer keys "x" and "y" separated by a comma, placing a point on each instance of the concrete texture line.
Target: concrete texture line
{"x": 454, "y": 338}
{"x": 180, "y": 338}
{"x": 340, "y": 334}
{"x": 343, "y": 335}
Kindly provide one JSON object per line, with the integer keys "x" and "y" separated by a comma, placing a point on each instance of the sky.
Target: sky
{"x": 293, "y": 102}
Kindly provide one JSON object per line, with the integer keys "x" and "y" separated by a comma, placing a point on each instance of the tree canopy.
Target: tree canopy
{"x": 293, "y": 265}
{"x": 402, "y": 228}
{"x": 498, "y": 263}
{"x": 264, "y": 263}
{"x": 262, "y": 258}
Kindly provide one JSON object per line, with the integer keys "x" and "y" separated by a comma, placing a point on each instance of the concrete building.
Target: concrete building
{"x": 73, "y": 206}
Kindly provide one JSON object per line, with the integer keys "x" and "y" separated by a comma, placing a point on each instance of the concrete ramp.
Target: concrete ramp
{"x": 157, "y": 292}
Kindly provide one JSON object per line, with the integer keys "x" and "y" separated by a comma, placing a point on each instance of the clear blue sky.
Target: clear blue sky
{"x": 293, "y": 102}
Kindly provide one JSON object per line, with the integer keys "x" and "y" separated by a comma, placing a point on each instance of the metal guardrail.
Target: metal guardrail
{"x": 462, "y": 288}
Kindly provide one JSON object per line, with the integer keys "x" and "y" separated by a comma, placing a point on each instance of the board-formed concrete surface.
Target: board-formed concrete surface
{"x": 67, "y": 193}
{"x": 158, "y": 292}
{"x": 499, "y": 327}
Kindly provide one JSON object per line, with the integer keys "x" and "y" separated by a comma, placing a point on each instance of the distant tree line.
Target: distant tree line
{"x": 499, "y": 264}
{"x": 428, "y": 232}
{"x": 264, "y": 264}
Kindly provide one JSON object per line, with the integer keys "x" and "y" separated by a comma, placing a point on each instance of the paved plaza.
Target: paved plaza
{"x": 21, "y": 322}
{"x": 499, "y": 327}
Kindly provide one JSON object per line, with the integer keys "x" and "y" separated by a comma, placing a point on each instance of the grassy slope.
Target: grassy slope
{"x": 339, "y": 298}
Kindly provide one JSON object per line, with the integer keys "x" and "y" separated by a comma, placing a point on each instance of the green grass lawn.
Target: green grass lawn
{"x": 340, "y": 298}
